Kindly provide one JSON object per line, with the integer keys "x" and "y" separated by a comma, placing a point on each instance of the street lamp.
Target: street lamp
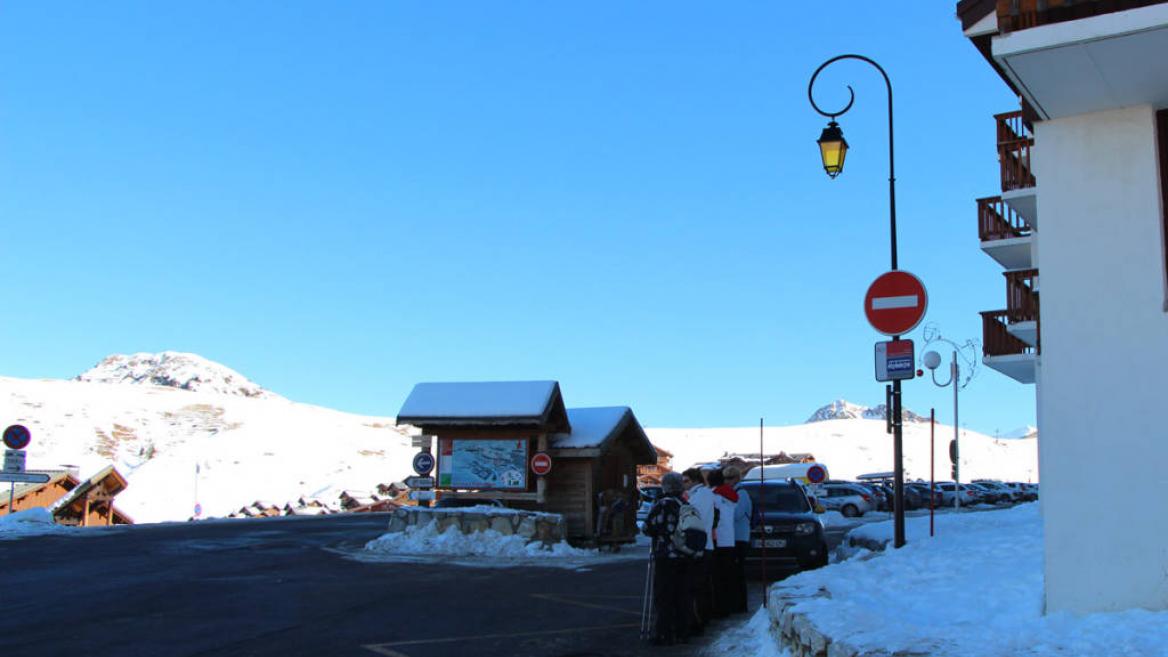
{"x": 833, "y": 149}
{"x": 933, "y": 361}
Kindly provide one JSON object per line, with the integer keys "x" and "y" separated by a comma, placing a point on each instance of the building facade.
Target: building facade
{"x": 1080, "y": 223}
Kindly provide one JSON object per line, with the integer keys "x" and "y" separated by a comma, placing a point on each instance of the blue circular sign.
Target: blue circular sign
{"x": 17, "y": 436}
{"x": 423, "y": 463}
{"x": 816, "y": 474}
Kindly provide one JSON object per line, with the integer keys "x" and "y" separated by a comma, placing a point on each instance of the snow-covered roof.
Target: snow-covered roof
{"x": 596, "y": 428}
{"x": 498, "y": 403}
{"x": 108, "y": 478}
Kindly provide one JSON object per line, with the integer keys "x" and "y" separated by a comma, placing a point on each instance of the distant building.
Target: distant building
{"x": 72, "y": 501}
{"x": 650, "y": 475}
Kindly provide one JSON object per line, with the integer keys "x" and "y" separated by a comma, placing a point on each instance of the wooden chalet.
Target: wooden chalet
{"x": 650, "y": 475}
{"x": 488, "y": 432}
{"x": 71, "y": 500}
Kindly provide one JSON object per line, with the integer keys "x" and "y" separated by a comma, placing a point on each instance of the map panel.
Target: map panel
{"x": 491, "y": 464}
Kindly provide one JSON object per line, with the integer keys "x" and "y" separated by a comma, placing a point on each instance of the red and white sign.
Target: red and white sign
{"x": 816, "y": 474}
{"x": 541, "y": 463}
{"x": 896, "y": 303}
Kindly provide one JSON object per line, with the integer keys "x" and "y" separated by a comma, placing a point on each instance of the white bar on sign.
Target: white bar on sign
{"x": 888, "y": 303}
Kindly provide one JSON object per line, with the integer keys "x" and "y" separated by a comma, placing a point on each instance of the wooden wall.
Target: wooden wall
{"x": 44, "y": 497}
{"x": 570, "y": 493}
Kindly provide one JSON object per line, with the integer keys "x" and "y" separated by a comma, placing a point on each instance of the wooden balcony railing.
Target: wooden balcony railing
{"x": 1016, "y": 15}
{"x": 1014, "y": 145}
{"x": 998, "y": 221}
{"x": 996, "y": 340}
{"x": 1022, "y": 295}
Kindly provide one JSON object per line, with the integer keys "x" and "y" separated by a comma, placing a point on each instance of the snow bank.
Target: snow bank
{"x": 426, "y": 540}
{"x": 974, "y": 590}
{"x": 756, "y": 637}
{"x": 30, "y": 522}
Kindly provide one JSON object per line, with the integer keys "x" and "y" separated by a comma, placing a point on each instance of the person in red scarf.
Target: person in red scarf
{"x": 725, "y": 499}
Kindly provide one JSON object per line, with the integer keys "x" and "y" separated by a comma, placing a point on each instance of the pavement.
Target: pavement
{"x": 290, "y": 586}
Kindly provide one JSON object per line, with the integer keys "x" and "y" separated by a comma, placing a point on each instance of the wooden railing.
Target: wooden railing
{"x": 1014, "y": 145}
{"x": 996, "y": 340}
{"x": 998, "y": 221}
{"x": 1022, "y": 295}
{"x": 1016, "y": 15}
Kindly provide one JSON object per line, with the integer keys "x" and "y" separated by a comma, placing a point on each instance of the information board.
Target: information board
{"x": 483, "y": 464}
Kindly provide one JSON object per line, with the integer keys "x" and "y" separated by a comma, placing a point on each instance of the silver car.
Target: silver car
{"x": 851, "y": 501}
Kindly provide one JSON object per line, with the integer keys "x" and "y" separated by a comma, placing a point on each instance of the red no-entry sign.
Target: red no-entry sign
{"x": 896, "y": 302}
{"x": 541, "y": 463}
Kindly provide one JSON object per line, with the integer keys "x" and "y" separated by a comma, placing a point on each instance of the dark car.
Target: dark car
{"x": 785, "y": 528}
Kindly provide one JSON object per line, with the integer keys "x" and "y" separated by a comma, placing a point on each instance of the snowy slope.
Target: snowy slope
{"x": 183, "y": 429}
{"x": 246, "y": 447}
{"x": 857, "y": 446}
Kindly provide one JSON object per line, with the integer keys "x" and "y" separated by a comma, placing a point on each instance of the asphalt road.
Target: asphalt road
{"x": 288, "y": 586}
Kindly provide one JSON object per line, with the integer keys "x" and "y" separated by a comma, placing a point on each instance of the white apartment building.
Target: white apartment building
{"x": 1080, "y": 223}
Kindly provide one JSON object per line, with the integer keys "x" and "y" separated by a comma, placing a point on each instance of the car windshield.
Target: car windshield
{"x": 779, "y": 498}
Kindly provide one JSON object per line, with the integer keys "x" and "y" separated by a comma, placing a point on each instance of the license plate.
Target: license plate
{"x": 770, "y": 542}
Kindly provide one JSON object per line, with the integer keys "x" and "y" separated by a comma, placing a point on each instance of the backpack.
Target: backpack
{"x": 689, "y": 537}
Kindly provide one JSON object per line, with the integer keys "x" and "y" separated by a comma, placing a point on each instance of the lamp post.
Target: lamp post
{"x": 933, "y": 361}
{"x": 833, "y": 149}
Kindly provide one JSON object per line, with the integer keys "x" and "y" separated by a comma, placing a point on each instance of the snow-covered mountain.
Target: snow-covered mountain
{"x": 173, "y": 369}
{"x": 841, "y": 409}
{"x": 184, "y": 430}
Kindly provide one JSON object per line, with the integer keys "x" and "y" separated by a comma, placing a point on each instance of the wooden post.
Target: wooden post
{"x": 85, "y": 512}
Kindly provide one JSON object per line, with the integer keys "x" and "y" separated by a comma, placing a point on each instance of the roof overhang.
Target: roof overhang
{"x": 1091, "y": 64}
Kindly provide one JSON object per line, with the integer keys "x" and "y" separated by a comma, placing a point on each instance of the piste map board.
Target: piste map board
{"x": 482, "y": 464}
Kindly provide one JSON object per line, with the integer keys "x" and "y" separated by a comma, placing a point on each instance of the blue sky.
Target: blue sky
{"x": 341, "y": 200}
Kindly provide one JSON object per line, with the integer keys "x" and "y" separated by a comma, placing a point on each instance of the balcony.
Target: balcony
{"x": 1068, "y": 58}
{"x": 1003, "y": 351}
{"x": 1022, "y": 316}
{"x": 1016, "y": 15}
{"x": 1019, "y": 187}
{"x": 1004, "y": 234}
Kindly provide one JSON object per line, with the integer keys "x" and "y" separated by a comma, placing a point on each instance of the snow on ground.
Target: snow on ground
{"x": 975, "y": 590}
{"x": 30, "y": 522}
{"x": 753, "y": 637}
{"x": 853, "y": 447}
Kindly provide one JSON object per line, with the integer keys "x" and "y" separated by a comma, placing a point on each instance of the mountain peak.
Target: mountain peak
{"x": 842, "y": 409}
{"x": 173, "y": 369}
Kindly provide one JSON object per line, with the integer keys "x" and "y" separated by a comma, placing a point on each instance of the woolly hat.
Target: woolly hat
{"x": 671, "y": 483}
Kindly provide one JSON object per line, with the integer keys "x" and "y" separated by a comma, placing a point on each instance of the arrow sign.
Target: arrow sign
{"x": 895, "y": 303}
{"x": 24, "y": 477}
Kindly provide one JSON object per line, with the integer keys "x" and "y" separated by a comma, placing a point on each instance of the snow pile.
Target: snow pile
{"x": 30, "y": 522}
{"x": 975, "y": 590}
{"x": 758, "y": 637}
{"x": 173, "y": 369}
{"x": 426, "y": 540}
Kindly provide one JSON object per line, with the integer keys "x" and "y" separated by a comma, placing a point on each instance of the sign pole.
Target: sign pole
{"x": 956, "y": 447}
{"x": 898, "y": 457}
{"x": 932, "y": 463}
{"x": 11, "y": 496}
{"x": 762, "y": 508}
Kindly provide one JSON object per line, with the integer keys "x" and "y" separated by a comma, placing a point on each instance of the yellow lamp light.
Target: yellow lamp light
{"x": 833, "y": 148}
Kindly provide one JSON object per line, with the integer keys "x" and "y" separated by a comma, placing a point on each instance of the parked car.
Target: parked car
{"x": 949, "y": 492}
{"x": 849, "y": 499}
{"x": 648, "y": 495}
{"x": 1005, "y": 492}
{"x": 786, "y": 530}
{"x": 1024, "y": 494}
{"x": 991, "y": 494}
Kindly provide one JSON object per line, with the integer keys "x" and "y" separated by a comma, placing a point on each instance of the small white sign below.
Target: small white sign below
{"x": 14, "y": 460}
{"x": 422, "y": 495}
{"x": 420, "y": 442}
{"x": 25, "y": 477}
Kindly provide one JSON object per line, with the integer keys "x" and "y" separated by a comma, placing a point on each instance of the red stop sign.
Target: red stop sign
{"x": 541, "y": 463}
{"x": 896, "y": 303}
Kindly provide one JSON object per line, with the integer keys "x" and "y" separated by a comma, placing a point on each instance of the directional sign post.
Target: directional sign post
{"x": 423, "y": 483}
{"x": 14, "y": 460}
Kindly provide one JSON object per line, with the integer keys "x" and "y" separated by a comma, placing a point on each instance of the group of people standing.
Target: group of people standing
{"x": 691, "y": 585}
